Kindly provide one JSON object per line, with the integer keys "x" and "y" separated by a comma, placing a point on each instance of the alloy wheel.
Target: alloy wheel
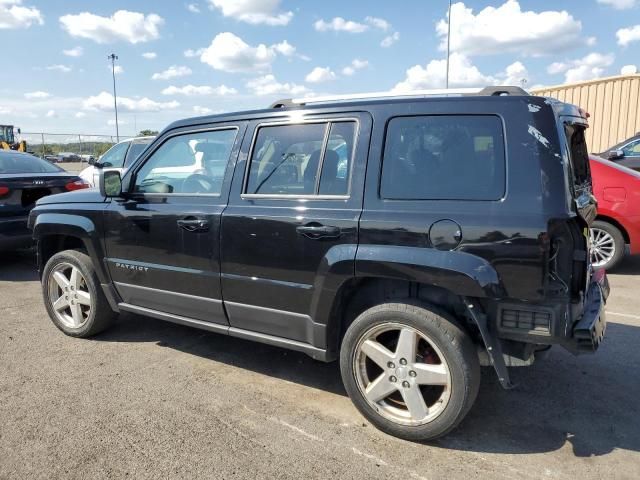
{"x": 603, "y": 247}
{"x": 69, "y": 295}
{"x": 402, "y": 374}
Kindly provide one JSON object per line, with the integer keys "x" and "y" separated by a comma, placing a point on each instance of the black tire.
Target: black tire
{"x": 100, "y": 316}
{"x": 455, "y": 346}
{"x": 618, "y": 241}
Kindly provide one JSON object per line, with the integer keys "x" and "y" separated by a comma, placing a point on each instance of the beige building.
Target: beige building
{"x": 614, "y": 105}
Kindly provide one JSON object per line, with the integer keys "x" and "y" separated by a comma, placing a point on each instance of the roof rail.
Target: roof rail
{"x": 442, "y": 92}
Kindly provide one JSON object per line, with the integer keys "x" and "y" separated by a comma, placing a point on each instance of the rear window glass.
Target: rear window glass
{"x": 24, "y": 163}
{"x": 444, "y": 157}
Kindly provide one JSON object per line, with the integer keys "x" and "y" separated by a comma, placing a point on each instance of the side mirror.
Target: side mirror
{"x": 92, "y": 161}
{"x": 110, "y": 183}
{"x": 615, "y": 155}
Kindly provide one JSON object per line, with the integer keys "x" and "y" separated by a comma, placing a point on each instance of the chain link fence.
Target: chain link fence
{"x": 73, "y": 151}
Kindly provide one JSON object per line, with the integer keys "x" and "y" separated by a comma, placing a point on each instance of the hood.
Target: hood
{"x": 91, "y": 195}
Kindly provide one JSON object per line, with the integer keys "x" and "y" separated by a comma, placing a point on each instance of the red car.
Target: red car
{"x": 617, "y": 190}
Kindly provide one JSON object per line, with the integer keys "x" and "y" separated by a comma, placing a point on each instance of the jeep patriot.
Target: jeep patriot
{"x": 413, "y": 238}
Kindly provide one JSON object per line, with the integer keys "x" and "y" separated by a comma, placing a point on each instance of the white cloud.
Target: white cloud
{"x": 149, "y": 55}
{"x": 591, "y": 66}
{"x": 132, "y": 27}
{"x": 80, "y": 115}
{"x": 190, "y": 53}
{"x": 509, "y": 29}
{"x": 111, "y": 122}
{"x": 118, "y": 70}
{"x": 462, "y": 73}
{"x": 339, "y": 24}
{"x": 620, "y": 4}
{"x": 193, "y": 8}
{"x": 379, "y": 23}
{"x": 356, "y": 64}
{"x": 284, "y": 48}
{"x": 390, "y": 40}
{"x": 320, "y": 74}
{"x": 14, "y": 15}
{"x": 74, "y": 52}
{"x": 230, "y": 53}
{"x": 192, "y": 90}
{"x": 515, "y": 74}
{"x": 253, "y": 11}
{"x": 202, "y": 110}
{"x": 268, "y": 85}
{"x": 629, "y": 70}
{"x": 104, "y": 102}
{"x": 59, "y": 68}
{"x": 628, "y": 35}
{"x": 37, "y": 95}
{"x": 172, "y": 72}
{"x": 51, "y": 114}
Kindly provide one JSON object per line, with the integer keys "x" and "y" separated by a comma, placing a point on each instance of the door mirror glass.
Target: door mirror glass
{"x": 110, "y": 183}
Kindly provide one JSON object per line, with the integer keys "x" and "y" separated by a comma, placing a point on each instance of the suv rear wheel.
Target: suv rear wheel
{"x": 73, "y": 296}
{"x": 410, "y": 370}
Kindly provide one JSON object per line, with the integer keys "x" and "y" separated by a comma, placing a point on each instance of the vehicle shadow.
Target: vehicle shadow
{"x": 18, "y": 266}
{"x": 588, "y": 401}
{"x": 261, "y": 358}
{"x": 629, "y": 265}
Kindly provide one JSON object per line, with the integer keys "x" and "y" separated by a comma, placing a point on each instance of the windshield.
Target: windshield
{"x": 11, "y": 162}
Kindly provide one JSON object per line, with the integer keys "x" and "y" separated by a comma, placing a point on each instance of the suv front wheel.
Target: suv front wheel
{"x": 410, "y": 370}
{"x": 73, "y": 296}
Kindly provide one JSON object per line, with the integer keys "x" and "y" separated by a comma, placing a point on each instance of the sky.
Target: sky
{"x": 183, "y": 59}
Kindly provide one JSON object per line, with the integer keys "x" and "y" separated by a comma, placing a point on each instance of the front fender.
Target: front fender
{"x": 458, "y": 272}
{"x": 64, "y": 224}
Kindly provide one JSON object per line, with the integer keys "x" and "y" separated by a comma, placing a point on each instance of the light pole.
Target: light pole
{"x": 113, "y": 57}
{"x": 448, "y": 43}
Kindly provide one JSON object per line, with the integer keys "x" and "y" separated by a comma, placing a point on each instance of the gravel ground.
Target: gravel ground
{"x": 148, "y": 399}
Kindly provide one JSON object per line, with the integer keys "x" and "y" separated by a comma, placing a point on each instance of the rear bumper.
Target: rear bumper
{"x": 14, "y": 233}
{"x": 589, "y": 331}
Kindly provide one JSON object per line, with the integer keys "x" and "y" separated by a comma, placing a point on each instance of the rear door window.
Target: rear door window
{"x": 444, "y": 157}
{"x": 302, "y": 159}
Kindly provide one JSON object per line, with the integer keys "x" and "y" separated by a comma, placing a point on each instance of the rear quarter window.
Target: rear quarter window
{"x": 444, "y": 157}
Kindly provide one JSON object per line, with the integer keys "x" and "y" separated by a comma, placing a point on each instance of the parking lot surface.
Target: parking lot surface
{"x": 149, "y": 399}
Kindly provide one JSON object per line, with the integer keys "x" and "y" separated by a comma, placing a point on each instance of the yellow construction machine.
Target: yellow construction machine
{"x": 8, "y": 140}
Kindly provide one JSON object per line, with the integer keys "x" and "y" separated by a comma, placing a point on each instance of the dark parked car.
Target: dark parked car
{"x": 626, "y": 153}
{"x": 414, "y": 238}
{"x": 24, "y": 179}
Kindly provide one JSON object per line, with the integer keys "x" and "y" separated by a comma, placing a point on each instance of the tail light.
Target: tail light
{"x": 77, "y": 185}
{"x": 3, "y": 191}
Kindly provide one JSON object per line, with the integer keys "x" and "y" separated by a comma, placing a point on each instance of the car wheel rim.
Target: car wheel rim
{"x": 603, "y": 247}
{"x": 402, "y": 374}
{"x": 69, "y": 295}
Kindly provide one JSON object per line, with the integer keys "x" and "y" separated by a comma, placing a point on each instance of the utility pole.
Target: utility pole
{"x": 448, "y": 43}
{"x": 113, "y": 57}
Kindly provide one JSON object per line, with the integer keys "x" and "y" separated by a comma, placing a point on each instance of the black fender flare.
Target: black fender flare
{"x": 73, "y": 226}
{"x": 459, "y": 272}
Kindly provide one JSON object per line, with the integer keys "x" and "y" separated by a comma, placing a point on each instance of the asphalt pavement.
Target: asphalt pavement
{"x": 149, "y": 399}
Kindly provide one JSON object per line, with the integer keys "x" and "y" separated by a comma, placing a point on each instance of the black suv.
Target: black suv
{"x": 414, "y": 238}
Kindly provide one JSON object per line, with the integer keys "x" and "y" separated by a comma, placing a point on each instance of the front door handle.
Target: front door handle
{"x": 316, "y": 231}
{"x": 194, "y": 224}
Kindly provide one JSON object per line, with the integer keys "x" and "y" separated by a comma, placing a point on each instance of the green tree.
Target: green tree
{"x": 147, "y": 133}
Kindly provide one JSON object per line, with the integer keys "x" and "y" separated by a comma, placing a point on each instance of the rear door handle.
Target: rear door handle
{"x": 194, "y": 224}
{"x": 316, "y": 231}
